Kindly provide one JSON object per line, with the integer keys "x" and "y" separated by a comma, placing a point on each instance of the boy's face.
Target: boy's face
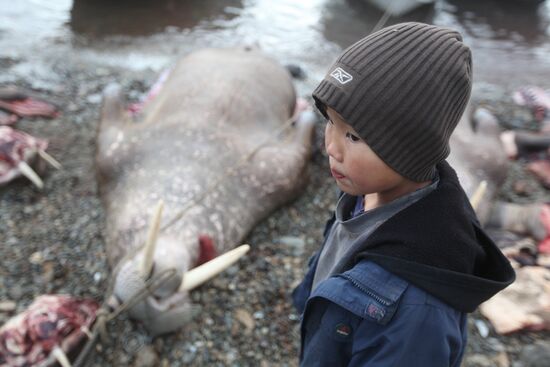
{"x": 356, "y": 168}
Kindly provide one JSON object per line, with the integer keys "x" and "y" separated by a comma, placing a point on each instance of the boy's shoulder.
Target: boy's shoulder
{"x": 373, "y": 293}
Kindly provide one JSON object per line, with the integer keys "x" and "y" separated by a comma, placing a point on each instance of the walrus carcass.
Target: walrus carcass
{"x": 212, "y": 143}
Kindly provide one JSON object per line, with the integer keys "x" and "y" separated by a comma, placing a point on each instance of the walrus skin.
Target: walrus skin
{"x": 216, "y": 106}
{"x": 479, "y": 156}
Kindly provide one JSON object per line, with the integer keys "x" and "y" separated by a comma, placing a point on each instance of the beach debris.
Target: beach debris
{"x": 527, "y": 108}
{"x": 29, "y": 107}
{"x": 478, "y": 194}
{"x": 544, "y": 260}
{"x": 524, "y": 187}
{"x": 7, "y": 306}
{"x": 524, "y": 252}
{"x": 508, "y": 141}
{"x": 7, "y": 118}
{"x": 17, "y": 150}
{"x": 19, "y": 103}
{"x": 536, "y": 98}
{"x": 482, "y": 328}
{"x": 520, "y": 143}
{"x": 544, "y": 247}
{"x": 136, "y": 108}
{"x": 523, "y": 305}
{"x": 43, "y": 334}
{"x": 503, "y": 238}
{"x": 526, "y": 219}
{"x": 246, "y": 319}
{"x": 541, "y": 170}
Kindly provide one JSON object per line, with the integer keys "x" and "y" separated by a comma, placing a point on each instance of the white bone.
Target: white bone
{"x": 478, "y": 194}
{"x": 29, "y": 173}
{"x": 87, "y": 331}
{"x": 61, "y": 357}
{"x": 202, "y": 273}
{"x": 150, "y": 245}
{"x": 48, "y": 158}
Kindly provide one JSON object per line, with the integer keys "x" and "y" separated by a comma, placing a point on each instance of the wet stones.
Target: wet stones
{"x": 536, "y": 355}
{"x": 7, "y": 306}
{"x": 146, "y": 357}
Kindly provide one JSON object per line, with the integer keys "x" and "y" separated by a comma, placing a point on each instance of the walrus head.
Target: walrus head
{"x": 166, "y": 307}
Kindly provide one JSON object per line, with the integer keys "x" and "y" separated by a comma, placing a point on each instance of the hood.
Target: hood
{"x": 438, "y": 245}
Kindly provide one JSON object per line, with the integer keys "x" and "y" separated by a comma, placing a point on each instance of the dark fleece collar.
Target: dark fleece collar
{"x": 438, "y": 245}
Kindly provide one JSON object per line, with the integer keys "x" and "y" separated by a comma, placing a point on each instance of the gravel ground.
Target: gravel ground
{"x": 51, "y": 242}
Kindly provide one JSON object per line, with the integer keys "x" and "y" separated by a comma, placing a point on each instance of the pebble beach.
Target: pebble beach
{"x": 51, "y": 240}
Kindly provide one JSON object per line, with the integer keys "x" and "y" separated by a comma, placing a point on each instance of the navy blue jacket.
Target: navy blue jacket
{"x": 403, "y": 301}
{"x": 370, "y": 317}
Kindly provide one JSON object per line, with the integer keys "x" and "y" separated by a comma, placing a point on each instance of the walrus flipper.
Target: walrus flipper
{"x": 111, "y": 131}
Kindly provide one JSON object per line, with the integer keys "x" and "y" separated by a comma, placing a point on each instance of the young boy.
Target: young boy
{"x": 404, "y": 258}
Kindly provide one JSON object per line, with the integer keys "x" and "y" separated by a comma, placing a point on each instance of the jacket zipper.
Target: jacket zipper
{"x": 366, "y": 290}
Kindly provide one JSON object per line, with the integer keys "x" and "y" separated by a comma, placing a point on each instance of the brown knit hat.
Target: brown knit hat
{"x": 403, "y": 89}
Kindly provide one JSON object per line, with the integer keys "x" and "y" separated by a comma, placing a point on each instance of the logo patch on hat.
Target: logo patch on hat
{"x": 341, "y": 75}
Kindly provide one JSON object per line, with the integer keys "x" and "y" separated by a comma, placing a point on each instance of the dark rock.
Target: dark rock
{"x": 296, "y": 71}
{"x": 536, "y": 355}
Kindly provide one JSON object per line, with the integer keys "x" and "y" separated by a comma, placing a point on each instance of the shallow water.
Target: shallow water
{"x": 510, "y": 41}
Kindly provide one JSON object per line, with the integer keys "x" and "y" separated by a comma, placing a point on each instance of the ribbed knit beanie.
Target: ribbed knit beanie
{"x": 403, "y": 89}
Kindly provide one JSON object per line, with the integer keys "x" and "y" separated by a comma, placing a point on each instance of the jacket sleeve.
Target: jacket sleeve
{"x": 419, "y": 335}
